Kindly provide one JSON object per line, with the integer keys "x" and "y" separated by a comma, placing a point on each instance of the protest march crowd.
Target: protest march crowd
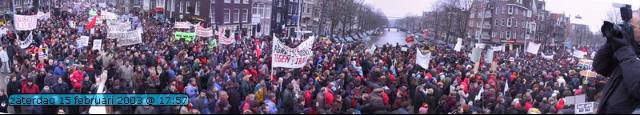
{"x": 234, "y": 74}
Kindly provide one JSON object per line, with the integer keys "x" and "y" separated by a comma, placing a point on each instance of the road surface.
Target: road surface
{"x": 392, "y": 37}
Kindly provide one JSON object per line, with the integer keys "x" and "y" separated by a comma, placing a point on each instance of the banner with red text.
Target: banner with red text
{"x": 287, "y": 57}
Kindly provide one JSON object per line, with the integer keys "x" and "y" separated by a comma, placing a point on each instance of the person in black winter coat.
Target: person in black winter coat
{"x": 234, "y": 99}
{"x": 618, "y": 60}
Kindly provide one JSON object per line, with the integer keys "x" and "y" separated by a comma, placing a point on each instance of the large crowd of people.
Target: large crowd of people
{"x": 232, "y": 79}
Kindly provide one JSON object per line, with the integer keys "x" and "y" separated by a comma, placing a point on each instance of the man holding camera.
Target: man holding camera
{"x": 618, "y": 60}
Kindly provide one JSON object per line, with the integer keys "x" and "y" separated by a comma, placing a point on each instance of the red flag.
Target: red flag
{"x": 584, "y": 49}
{"x": 91, "y": 24}
{"x": 258, "y": 49}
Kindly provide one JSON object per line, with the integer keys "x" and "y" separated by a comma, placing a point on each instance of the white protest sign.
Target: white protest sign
{"x": 579, "y": 54}
{"x": 371, "y": 49}
{"x": 25, "y": 22}
{"x": 475, "y": 55}
{"x": 548, "y": 57}
{"x": 204, "y": 32}
{"x": 287, "y": 57}
{"x": 43, "y": 16}
{"x": 72, "y": 24}
{"x": 498, "y": 48}
{"x": 97, "y": 44}
{"x": 183, "y": 25}
{"x": 119, "y": 27}
{"x": 458, "y": 46}
{"x": 119, "y": 30}
{"x": 27, "y": 42}
{"x": 83, "y": 41}
{"x": 423, "y": 60}
{"x": 225, "y": 40}
{"x": 585, "y": 108}
{"x": 533, "y": 48}
{"x": 129, "y": 38}
{"x": 488, "y": 58}
{"x": 3, "y": 31}
{"x": 574, "y": 99}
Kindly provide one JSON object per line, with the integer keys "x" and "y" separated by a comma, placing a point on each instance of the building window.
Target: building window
{"x": 171, "y": 5}
{"x": 227, "y": 16}
{"x": 197, "y": 10}
{"x": 504, "y": 22}
{"x": 227, "y": 1}
{"x": 267, "y": 12}
{"x": 254, "y": 9}
{"x": 509, "y": 35}
{"x": 509, "y": 22}
{"x": 245, "y": 15}
{"x": 160, "y": 3}
{"x": 188, "y": 7}
{"x": 236, "y": 16}
{"x": 212, "y": 15}
{"x": 246, "y": 1}
{"x": 182, "y": 7}
{"x": 237, "y": 1}
{"x": 510, "y": 9}
{"x": 261, "y": 10}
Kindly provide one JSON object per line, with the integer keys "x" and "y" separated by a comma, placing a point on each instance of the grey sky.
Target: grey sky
{"x": 593, "y": 12}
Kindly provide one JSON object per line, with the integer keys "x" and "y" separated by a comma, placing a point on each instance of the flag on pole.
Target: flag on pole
{"x": 480, "y": 93}
{"x": 258, "y": 49}
{"x": 506, "y": 87}
{"x": 91, "y": 24}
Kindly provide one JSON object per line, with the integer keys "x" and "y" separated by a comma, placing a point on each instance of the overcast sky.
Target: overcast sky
{"x": 593, "y": 12}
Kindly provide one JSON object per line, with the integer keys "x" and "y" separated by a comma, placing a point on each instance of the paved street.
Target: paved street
{"x": 392, "y": 37}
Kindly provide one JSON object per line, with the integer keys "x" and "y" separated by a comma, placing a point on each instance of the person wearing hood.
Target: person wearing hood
{"x": 60, "y": 86}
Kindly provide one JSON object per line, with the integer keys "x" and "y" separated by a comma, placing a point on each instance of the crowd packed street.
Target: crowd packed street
{"x": 376, "y": 76}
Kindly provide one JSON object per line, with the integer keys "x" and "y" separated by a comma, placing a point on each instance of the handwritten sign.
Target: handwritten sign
{"x": 26, "y": 22}
{"x": 187, "y": 36}
{"x": 287, "y": 57}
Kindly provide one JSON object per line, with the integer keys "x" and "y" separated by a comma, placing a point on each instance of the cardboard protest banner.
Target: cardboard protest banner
{"x": 130, "y": 38}
{"x": 97, "y": 44}
{"x": 225, "y": 40}
{"x": 423, "y": 60}
{"x": 533, "y": 48}
{"x": 182, "y": 25}
{"x": 27, "y": 42}
{"x": 287, "y": 57}
{"x": 83, "y": 41}
{"x": 25, "y": 22}
{"x": 585, "y": 108}
{"x": 458, "y": 46}
{"x": 204, "y": 32}
{"x": 186, "y": 36}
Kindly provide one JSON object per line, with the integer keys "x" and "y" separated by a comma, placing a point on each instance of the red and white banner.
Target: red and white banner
{"x": 225, "y": 40}
{"x": 287, "y": 57}
{"x": 204, "y": 32}
{"x": 26, "y": 22}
